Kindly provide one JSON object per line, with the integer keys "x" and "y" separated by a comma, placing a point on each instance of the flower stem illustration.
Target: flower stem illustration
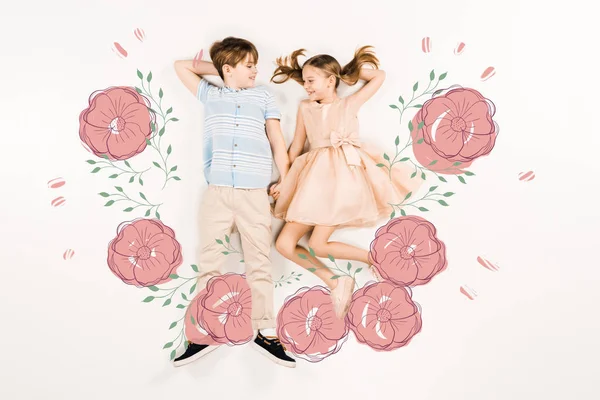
{"x": 122, "y": 196}
{"x": 155, "y": 140}
{"x": 170, "y": 292}
{"x": 124, "y": 169}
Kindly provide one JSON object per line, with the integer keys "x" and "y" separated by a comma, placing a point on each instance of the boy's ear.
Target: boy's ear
{"x": 226, "y": 69}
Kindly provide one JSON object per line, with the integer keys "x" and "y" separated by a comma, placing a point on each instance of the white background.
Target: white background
{"x": 72, "y": 330}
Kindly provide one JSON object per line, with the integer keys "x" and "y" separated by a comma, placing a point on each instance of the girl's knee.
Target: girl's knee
{"x": 319, "y": 247}
{"x": 285, "y": 247}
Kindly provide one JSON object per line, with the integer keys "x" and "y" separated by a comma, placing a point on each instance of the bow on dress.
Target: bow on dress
{"x": 348, "y": 141}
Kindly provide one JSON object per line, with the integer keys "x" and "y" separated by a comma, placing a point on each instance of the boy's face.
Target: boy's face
{"x": 243, "y": 75}
{"x": 315, "y": 83}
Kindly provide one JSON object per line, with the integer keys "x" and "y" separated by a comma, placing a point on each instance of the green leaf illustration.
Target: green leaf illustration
{"x": 415, "y": 86}
{"x": 104, "y": 194}
{"x": 441, "y": 178}
{"x": 394, "y": 106}
{"x": 166, "y": 303}
{"x": 431, "y": 189}
{"x": 153, "y": 288}
{"x": 442, "y": 76}
{"x": 423, "y": 209}
{"x": 169, "y": 111}
{"x": 442, "y": 202}
{"x": 160, "y": 93}
{"x": 448, "y": 194}
{"x": 431, "y": 75}
{"x": 95, "y": 170}
{"x": 302, "y": 256}
{"x": 177, "y": 178}
{"x": 460, "y": 178}
{"x": 113, "y": 176}
{"x": 168, "y": 345}
{"x": 335, "y": 277}
{"x": 139, "y": 74}
{"x": 109, "y": 203}
{"x": 142, "y": 196}
{"x": 174, "y": 276}
{"x": 169, "y": 149}
{"x": 401, "y": 100}
{"x": 330, "y": 258}
{"x": 407, "y": 196}
{"x": 148, "y": 299}
{"x": 173, "y": 325}
{"x": 195, "y": 267}
{"x": 149, "y": 77}
{"x": 403, "y": 212}
{"x": 91, "y": 162}
{"x": 128, "y": 209}
{"x": 397, "y": 141}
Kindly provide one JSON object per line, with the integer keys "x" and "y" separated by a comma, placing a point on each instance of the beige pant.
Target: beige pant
{"x": 222, "y": 209}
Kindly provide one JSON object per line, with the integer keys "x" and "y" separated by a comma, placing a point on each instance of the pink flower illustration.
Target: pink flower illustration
{"x": 457, "y": 128}
{"x": 194, "y": 331}
{"x": 226, "y": 309}
{"x": 383, "y": 316}
{"x": 407, "y": 252}
{"x": 116, "y": 123}
{"x": 308, "y": 326}
{"x": 144, "y": 252}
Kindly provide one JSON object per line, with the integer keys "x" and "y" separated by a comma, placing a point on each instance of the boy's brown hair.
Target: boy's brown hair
{"x": 231, "y": 51}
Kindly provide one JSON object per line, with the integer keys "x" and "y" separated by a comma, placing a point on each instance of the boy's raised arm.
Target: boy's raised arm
{"x": 189, "y": 74}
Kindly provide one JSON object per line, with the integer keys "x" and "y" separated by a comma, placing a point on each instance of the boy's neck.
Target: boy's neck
{"x": 231, "y": 85}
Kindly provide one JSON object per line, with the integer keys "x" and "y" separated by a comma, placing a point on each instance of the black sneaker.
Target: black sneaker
{"x": 192, "y": 353}
{"x": 271, "y": 347}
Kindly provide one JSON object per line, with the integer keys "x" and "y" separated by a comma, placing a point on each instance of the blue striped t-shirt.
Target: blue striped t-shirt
{"x": 236, "y": 150}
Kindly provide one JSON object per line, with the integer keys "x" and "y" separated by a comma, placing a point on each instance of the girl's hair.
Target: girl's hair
{"x": 231, "y": 51}
{"x": 289, "y": 68}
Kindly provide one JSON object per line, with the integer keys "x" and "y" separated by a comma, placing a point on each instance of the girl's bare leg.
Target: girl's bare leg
{"x": 287, "y": 245}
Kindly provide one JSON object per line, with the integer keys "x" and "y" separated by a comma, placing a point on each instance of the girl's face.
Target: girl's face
{"x": 317, "y": 84}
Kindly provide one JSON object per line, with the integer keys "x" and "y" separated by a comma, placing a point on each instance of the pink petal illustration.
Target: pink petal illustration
{"x": 57, "y": 202}
{"x": 68, "y": 254}
{"x": 526, "y": 176}
{"x": 139, "y": 34}
{"x": 56, "y": 183}
{"x": 467, "y": 291}
{"x": 119, "y": 50}
{"x": 460, "y": 47}
{"x": 426, "y": 44}
{"x": 487, "y": 264}
{"x": 197, "y": 58}
{"x": 488, "y": 73}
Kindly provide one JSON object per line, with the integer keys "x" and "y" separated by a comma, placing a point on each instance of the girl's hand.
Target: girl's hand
{"x": 274, "y": 192}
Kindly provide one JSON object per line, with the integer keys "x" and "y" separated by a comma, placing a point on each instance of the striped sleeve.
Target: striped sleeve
{"x": 271, "y": 109}
{"x": 203, "y": 87}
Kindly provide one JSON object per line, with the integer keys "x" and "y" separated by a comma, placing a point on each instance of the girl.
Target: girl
{"x": 337, "y": 183}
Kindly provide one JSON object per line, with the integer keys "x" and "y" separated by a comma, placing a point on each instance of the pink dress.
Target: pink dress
{"x": 338, "y": 182}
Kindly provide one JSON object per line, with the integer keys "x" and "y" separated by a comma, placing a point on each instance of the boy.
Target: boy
{"x": 238, "y": 160}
